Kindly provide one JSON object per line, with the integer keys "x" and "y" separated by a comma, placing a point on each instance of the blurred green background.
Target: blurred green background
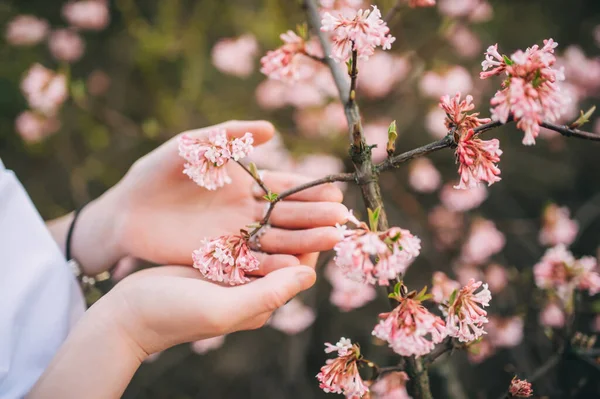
{"x": 157, "y": 55}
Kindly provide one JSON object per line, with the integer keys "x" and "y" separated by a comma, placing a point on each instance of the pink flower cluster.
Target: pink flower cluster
{"x": 530, "y": 93}
{"x": 465, "y": 316}
{"x": 423, "y": 177}
{"x": 346, "y": 293}
{"x": 442, "y": 287}
{"x": 362, "y": 32}
{"x": 473, "y": 10}
{"x": 520, "y": 388}
{"x": 462, "y": 200}
{"x": 557, "y": 227}
{"x": 559, "y": 270}
{"x": 293, "y": 317}
{"x": 26, "y": 30}
{"x": 410, "y": 329}
{"x": 452, "y": 79}
{"x": 391, "y": 386}
{"x": 87, "y": 14}
{"x": 226, "y": 259}
{"x": 287, "y": 62}
{"x": 207, "y": 156}
{"x": 340, "y": 375}
{"x": 235, "y": 56}
{"x": 457, "y": 115}
{"x": 375, "y": 257}
{"x": 484, "y": 241}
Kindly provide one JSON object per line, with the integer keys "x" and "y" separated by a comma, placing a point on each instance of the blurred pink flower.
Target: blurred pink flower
{"x": 465, "y": 316}
{"x": 442, "y": 287}
{"x": 557, "y": 228}
{"x": 410, "y": 329}
{"x": 66, "y": 45}
{"x": 375, "y": 257}
{"x": 505, "y": 332}
{"x": 87, "y": 14}
{"x": 447, "y": 226}
{"x": 318, "y": 165}
{"x": 381, "y": 73}
{"x": 530, "y": 92}
{"x": 272, "y": 155}
{"x": 124, "y": 267}
{"x": 597, "y": 35}
{"x": 348, "y": 294}
{"x": 322, "y": 121}
{"x": 475, "y": 10}
{"x": 235, "y": 56}
{"x": 496, "y": 277}
{"x": 206, "y": 345}
{"x": 465, "y": 42}
{"x": 520, "y": 388}
{"x": 484, "y": 240}
{"x": 583, "y": 72}
{"x": 552, "y": 316}
{"x": 34, "y": 127}
{"x": 361, "y": 32}
{"x": 376, "y": 133}
{"x": 391, "y": 386}
{"x": 330, "y": 5}
{"x": 434, "y": 123}
{"x": 596, "y": 324}
{"x": 340, "y": 375}
{"x": 293, "y": 317}
{"x": 26, "y": 30}
{"x": 423, "y": 177}
{"x": 44, "y": 89}
{"x": 462, "y": 200}
{"x": 452, "y": 80}
{"x": 421, "y": 3}
{"x": 98, "y": 82}
{"x": 465, "y": 273}
{"x": 274, "y": 94}
{"x": 226, "y": 259}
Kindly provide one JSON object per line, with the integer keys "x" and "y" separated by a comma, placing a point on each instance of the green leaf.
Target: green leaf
{"x": 422, "y": 293}
{"x": 271, "y": 197}
{"x": 507, "y": 60}
{"x": 583, "y": 118}
{"x": 374, "y": 218}
{"x": 452, "y": 297}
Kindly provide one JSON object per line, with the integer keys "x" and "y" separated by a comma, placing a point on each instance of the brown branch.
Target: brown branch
{"x": 353, "y": 75}
{"x": 314, "y": 57}
{"x": 569, "y": 132}
{"x": 394, "y": 162}
{"x": 257, "y": 179}
{"x": 446, "y": 345}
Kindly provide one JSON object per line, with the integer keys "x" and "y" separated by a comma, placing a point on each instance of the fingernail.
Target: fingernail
{"x": 306, "y": 277}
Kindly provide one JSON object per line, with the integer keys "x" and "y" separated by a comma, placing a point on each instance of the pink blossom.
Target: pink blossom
{"x": 293, "y": 317}
{"x": 346, "y": 293}
{"x": 423, "y": 177}
{"x": 530, "y": 93}
{"x": 286, "y": 62}
{"x": 583, "y": 72}
{"x": 207, "y": 156}
{"x": 346, "y": 7}
{"x": 457, "y": 113}
{"x": 323, "y": 121}
{"x": 206, "y": 345}
{"x": 552, "y": 316}
{"x": 421, "y": 3}
{"x": 465, "y": 42}
{"x": 480, "y": 350}
{"x": 465, "y": 316}
{"x": 505, "y": 332}
{"x": 462, "y": 200}
{"x": 362, "y": 32}
{"x": 477, "y": 160}
{"x": 477, "y": 10}
{"x": 98, "y": 82}
{"x": 375, "y": 257}
{"x": 434, "y": 123}
{"x": 340, "y": 375}
{"x": 235, "y": 56}
{"x": 275, "y": 94}
{"x": 376, "y": 133}
{"x": 557, "y": 228}
{"x": 66, "y": 45}
{"x": 272, "y": 155}
{"x": 410, "y": 329}
{"x": 484, "y": 241}
{"x": 447, "y": 226}
{"x": 87, "y": 14}
{"x": 466, "y": 273}
{"x": 520, "y": 388}
{"x": 442, "y": 287}
{"x": 318, "y": 165}
{"x": 451, "y": 80}
{"x": 383, "y": 71}
{"x": 391, "y": 386}
{"x": 26, "y": 30}
{"x": 482, "y": 13}
{"x": 34, "y": 127}
{"x": 496, "y": 277}
{"x": 44, "y": 89}
{"x": 226, "y": 259}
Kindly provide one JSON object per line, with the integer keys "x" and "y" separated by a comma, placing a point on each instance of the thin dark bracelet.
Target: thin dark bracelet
{"x": 70, "y": 232}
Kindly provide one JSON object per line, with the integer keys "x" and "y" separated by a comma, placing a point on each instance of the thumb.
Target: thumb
{"x": 272, "y": 291}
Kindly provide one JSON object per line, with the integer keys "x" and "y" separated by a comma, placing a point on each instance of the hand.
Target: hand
{"x": 160, "y": 215}
{"x": 150, "y": 311}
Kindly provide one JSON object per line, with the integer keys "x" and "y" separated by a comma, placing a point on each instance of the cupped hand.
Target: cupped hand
{"x": 163, "y": 216}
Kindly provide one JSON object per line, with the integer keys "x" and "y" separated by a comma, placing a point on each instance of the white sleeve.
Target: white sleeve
{"x": 39, "y": 297}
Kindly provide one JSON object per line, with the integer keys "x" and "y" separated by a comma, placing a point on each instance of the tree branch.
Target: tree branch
{"x": 447, "y": 345}
{"x": 568, "y": 132}
{"x": 258, "y": 180}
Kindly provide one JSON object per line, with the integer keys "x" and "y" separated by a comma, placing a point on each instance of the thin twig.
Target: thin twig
{"x": 446, "y": 345}
{"x": 322, "y": 60}
{"x": 257, "y": 179}
{"x": 568, "y": 132}
{"x": 353, "y": 75}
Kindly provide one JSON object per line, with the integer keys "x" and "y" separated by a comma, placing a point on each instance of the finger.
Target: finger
{"x": 306, "y": 215}
{"x": 270, "y": 263}
{"x": 262, "y": 131}
{"x": 280, "y": 241}
{"x": 279, "y": 182}
{"x": 309, "y": 259}
{"x": 275, "y": 289}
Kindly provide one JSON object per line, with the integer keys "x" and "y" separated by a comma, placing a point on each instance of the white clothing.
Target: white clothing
{"x": 39, "y": 296}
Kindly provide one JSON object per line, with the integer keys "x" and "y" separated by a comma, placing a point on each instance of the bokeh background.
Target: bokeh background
{"x": 150, "y": 75}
